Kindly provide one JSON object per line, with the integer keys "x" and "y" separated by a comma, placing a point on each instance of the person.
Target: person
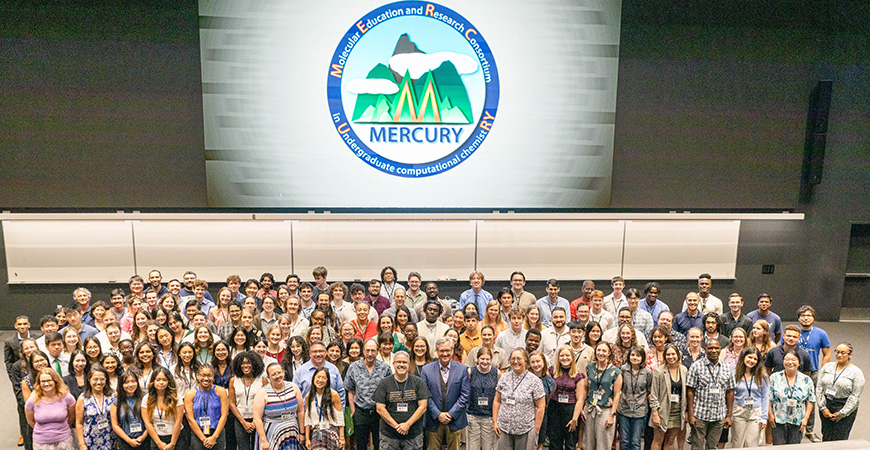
{"x": 656, "y": 352}
{"x": 557, "y": 335}
{"x": 162, "y": 410}
{"x": 640, "y": 319}
{"x": 186, "y": 369}
{"x": 364, "y": 328}
{"x": 389, "y": 283}
{"x": 334, "y": 357}
{"x": 421, "y": 355}
{"x": 385, "y": 348}
{"x": 244, "y": 386}
{"x": 615, "y": 301}
{"x": 113, "y": 367}
{"x": 499, "y": 356}
{"x": 764, "y": 312}
{"x": 471, "y": 337}
{"x": 430, "y": 327}
{"x": 751, "y": 399}
{"x": 298, "y": 323}
{"x": 476, "y": 295}
{"x": 708, "y": 383}
{"x": 838, "y": 393}
{"x": 667, "y": 401}
{"x": 817, "y": 344}
{"x": 533, "y": 340}
{"x": 538, "y": 368}
{"x": 633, "y": 405}
{"x": 324, "y": 424}
{"x": 399, "y": 299}
{"x": 760, "y": 338}
{"x": 533, "y": 318}
{"x": 57, "y": 359}
{"x": 550, "y": 302}
{"x": 126, "y": 412}
{"x": 401, "y": 409}
{"x": 302, "y": 377}
{"x": 92, "y": 412}
{"x": 666, "y": 321}
{"x": 415, "y": 295}
{"x": 74, "y": 319}
{"x": 166, "y": 356}
{"x": 602, "y": 389}
{"x": 651, "y": 303}
{"x": 522, "y": 299}
{"x": 363, "y": 377}
{"x": 792, "y": 398}
{"x": 78, "y": 367}
{"x": 492, "y": 315}
{"x": 582, "y": 314}
{"x": 731, "y": 354}
{"x": 222, "y": 365}
{"x": 708, "y": 302}
{"x": 734, "y": 318}
{"x": 691, "y": 316}
{"x": 626, "y": 340}
{"x": 598, "y": 314}
{"x": 790, "y": 339}
{"x": 279, "y": 412}
{"x": 515, "y": 336}
{"x": 51, "y": 412}
{"x": 12, "y": 347}
{"x": 206, "y": 407}
{"x": 449, "y": 386}
{"x": 518, "y": 406}
{"x": 144, "y": 364}
{"x": 586, "y": 290}
{"x": 565, "y": 401}
{"x": 584, "y": 353}
{"x": 17, "y": 373}
{"x": 298, "y": 355}
{"x": 482, "y": 381}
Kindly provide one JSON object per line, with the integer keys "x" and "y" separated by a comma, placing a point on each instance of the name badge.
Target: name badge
{"x": 401, "y": 407}
{"x": 563, "y": 398}
{"x": 749, "y": 403}
{"x": 205, "y": 424}
{"x": 247, "y": 411}
{"x": 135, "y": 427}
{"x": 831, "y": 391}
{"x": 597, "y": 395}
{"x": 323, "y": 426}
{"x": 675, "y": 398}
{"x": 510, "y": 400}
{"x": 791, "y": 403}
{"x": 102, "y": 424}
{"x": 285, "y": 417}
{"x": 162, "y": 428}
{"x": 482, "y": 401}
{"x": 714, "y": 390}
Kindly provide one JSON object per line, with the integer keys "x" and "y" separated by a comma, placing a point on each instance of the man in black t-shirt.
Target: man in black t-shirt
{"x": 401, "y": 402}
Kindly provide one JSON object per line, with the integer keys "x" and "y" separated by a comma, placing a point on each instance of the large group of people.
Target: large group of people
{"x": 327, "y": 366}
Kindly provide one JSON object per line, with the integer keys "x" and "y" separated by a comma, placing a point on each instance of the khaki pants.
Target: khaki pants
{"x": 480, "y": 433}
{"x": 442, "y": 435}
{"x": 528, "y": 441}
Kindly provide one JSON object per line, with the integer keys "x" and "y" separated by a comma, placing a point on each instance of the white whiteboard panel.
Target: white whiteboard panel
{"x": 360, "y": 249}
{"x": 213, "y": 249}
{"x": 68, "y": 251}
{"x": 567, "y": 250}
{"x": 670, "y": 250}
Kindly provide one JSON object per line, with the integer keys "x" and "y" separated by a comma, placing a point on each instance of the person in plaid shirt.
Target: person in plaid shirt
{"x": 708, "y": 382}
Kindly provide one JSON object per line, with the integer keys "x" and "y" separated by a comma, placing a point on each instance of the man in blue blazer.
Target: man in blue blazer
{"x": 449, "y": 384}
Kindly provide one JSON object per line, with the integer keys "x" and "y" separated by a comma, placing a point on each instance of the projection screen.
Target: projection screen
{"x": 409, "y": 104}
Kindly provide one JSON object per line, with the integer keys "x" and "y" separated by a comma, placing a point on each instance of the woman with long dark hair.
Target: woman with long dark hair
{"x": 751, "y": 398}
{"x": 246, "y": 382}
{"x": 127, "y": 413}
{"x": 324, "y": 424}
{"x": 161, "y": 410}
{"x": 78, "y": 368}
{"x": 144, "y": 366}
{"x": 92, "y": 412}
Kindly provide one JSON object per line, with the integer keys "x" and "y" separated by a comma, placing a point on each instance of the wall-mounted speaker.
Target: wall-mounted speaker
{"x": 816, "y": 137}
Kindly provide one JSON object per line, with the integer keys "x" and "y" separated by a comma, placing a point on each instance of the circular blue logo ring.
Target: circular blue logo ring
{"x": 342, "y": 123}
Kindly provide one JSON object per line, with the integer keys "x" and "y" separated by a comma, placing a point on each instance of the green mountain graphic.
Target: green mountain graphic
{"x": 439, "y": 96}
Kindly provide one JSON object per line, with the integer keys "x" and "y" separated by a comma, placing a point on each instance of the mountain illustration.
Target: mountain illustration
{"x": 438, "y": 96}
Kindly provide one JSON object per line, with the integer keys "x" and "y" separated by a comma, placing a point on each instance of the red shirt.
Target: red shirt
{"x": 574, "y": 304}
{"x": 370, "y": 330}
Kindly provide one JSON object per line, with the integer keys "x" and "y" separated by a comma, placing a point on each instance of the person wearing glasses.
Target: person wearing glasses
{"x": 792, "y": 398}
{"x": 816, "y": 342}
{"x": 838, "y": 393}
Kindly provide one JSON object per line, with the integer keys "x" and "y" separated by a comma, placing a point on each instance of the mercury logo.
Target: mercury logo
{"x": 413, "y": 89}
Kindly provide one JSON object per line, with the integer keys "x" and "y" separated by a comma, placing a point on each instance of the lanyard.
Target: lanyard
{"x": 837, "y": 374}
{"x": 205, "y": 398}
{"x": 552, "y": 306}
{"x": 748, "y": 385}
{"x": 634, "y": 378}
{"x": 101, "y": 401}
{"x": 319, "y": 409}
{"x": 247, "y": 390}
{"x": 715, "y": 379}
{"x": 599, "y": 375}
{"x": 517, "y": 384}
{"x": 804, "y": 340}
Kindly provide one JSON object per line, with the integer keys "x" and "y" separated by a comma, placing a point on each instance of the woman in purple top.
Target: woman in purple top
{"x": 51, "y": 412}
{"x": 563, "y": 409}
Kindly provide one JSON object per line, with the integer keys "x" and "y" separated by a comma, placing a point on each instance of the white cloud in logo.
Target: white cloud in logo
{"x": 372, "y": 86}
{"x": 419, "y": 63}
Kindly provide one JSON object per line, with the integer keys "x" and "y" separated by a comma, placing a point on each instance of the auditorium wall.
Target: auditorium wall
{"x": 102, "y": 108}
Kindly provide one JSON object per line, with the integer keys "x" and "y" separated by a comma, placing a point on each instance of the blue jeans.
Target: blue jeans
{"x": 631, "y": 431}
